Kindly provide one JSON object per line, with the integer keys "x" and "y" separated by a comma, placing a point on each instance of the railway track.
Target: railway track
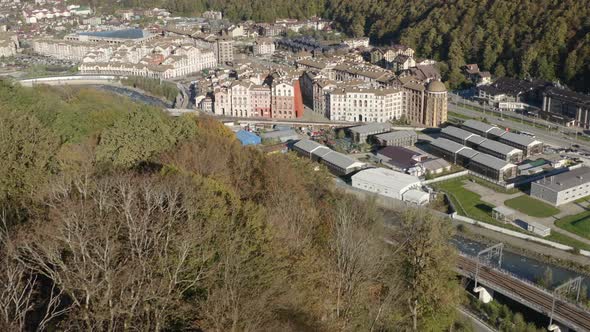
{"x": 566, "y": 313}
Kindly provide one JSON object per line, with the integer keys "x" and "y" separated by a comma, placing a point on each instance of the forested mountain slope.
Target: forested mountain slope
{"x": 547, "y": 38}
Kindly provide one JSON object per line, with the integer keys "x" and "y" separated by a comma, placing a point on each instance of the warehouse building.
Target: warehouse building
{"x": 446, "y": 149}
{"x": 397, "y": 138}
{"x": 528, "y": 145}
{"x": 478, "y": 162}
{"x": 306, "y": 147}
{"x": 491, "y": 147}
{"x": 465, "y": 155}
{"x": 338, "y": 163}
{"x": 483, "y": 129}
{"x": 436, "y": 166}
{"x": 280, "y": 135}
{"x": 563, "y": 188}
{"x": 391, "y": 184}
{"x": 360, "y": 134}
{"x": 492, "y": 167}
{"x": 501, "y": 151}
{"x": 458, "y": 135}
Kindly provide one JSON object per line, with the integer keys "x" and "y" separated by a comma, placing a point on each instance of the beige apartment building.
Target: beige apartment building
{"x": 365, "y": 105}
{"x": 425, "y": 105}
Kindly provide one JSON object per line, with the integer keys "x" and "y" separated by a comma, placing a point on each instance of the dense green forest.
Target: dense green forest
{"x": 116, "y": 217}
{"x": 523, "y": 38}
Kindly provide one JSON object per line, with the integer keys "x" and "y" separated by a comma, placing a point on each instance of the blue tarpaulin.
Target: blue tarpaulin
{"x": 248, "y": 138}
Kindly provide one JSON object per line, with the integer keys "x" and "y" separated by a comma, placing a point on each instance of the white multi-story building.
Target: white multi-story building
{"x": 263, "y": 46}
{"x": 240, "y": 99}
{"x": 365, "y": 105}
{"x": 357, "y": 42}
{"x": 157, "y": 58}
{"x": 33, "y": 16}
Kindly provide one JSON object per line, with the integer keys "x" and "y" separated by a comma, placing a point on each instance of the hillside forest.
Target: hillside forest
{"x": 519, "y": 38}
{"x": 117, "y": 217}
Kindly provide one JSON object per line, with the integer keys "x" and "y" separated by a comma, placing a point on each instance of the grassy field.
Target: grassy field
{"x": 493, "y": 186}
{"x": 469, "y": 204}
{"x": 531, "y": 206}
{"x": 578, "y": 224}
{"x": 459, "y": 115}
{"x": 568, "y": 241}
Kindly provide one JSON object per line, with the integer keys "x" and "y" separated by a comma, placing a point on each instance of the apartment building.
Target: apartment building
{"x": 425, "y": 105}
{"x": 224, "y": 50}
{"x": 364, "y": 104}
{"x": 283, "y": 100}
{"x": 241, "y": 105}
{"x": 263, "y": 46}
{"x": 246, "y": 99}
{"x": 260, "y": 97}
{"x": 182, "y": 61}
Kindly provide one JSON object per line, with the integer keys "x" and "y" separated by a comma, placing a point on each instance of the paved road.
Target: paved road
{"x": 478, "y": 325}
{"x": 551, "y": 137}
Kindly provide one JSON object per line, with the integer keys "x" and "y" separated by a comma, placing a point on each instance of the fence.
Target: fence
{"x": 516, "y": 234}
{"x": 447, "y": 177}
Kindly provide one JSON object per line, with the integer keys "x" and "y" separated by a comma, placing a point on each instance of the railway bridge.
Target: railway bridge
{"x": 553, "y": 304}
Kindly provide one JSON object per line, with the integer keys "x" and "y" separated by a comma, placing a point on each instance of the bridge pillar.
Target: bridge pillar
{"x": 484, "y": 295}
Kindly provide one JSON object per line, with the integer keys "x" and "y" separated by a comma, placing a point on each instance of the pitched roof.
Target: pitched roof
{"x": 477, "y": 125}
{"x": 490, "y": 161}
{"x": 371, "y": 128}
{"x": 447, "y": 145}
{"x": 499, "y": 147}
{"x": 307, "y": 145}
{"x": 340, "y": 160}
{"x": 519, "y": 139}
{"x": 397, "y": 134}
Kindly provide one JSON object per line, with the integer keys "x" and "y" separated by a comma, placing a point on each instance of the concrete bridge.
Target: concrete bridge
{"x": 532, "y": 296}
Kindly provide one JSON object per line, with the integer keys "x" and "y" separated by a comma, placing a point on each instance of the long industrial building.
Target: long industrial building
{"x": 491, "y": 147}
{"x": 336, "y": 162}
{"x": 528, "y": 145}
{"x": 478, "y": 162}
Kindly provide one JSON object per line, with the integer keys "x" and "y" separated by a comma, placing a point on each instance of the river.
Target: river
{"x": 134, "y": 95}
{"x": 521, "y": 266}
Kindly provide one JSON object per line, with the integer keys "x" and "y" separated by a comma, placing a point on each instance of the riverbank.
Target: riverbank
{"x": 135, "y": 94}
{"x": 577, "y": 263}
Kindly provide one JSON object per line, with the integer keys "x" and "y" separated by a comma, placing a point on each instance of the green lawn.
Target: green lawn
{"x": 568, "y": 241}
{"x": 532, "y": 207}
{"x": 578, "y": 224}
{"x": 459, "y": 115}
{"x": 467, "y": 202}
